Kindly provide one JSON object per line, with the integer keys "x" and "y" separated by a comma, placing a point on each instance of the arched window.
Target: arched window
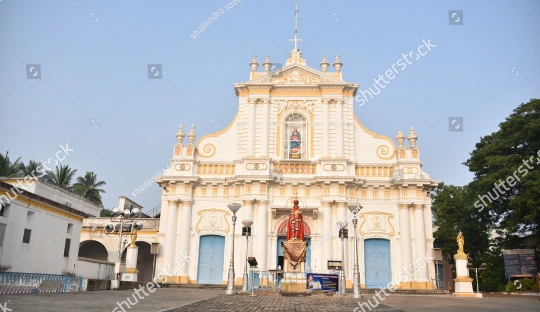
{"x": 295, "y": 136}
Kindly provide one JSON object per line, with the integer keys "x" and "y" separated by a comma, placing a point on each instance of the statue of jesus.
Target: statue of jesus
{"x": 295, "y": 227}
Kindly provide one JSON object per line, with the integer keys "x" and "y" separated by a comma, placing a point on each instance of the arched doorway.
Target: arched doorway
{"x": 94, "y": 250}
{"x": 211, "y": 257}
{"x": 282, "y": 236}
{"x": 145, "y": 261}
{"x": 377, "y": 261}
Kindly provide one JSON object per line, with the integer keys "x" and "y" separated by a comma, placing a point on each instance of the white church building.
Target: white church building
{"x": 295, "y": 135}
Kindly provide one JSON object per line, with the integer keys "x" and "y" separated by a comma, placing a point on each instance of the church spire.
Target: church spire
{"x": 296, "y": 40}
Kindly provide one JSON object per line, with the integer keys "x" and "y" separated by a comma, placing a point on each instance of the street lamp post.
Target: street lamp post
{"x": 246, "y": 231}
{"x": 110, "y": 228}
{"x": 356, "y": 271}
{"x": 343, "y": 233}
{"x": 233, "y": 207}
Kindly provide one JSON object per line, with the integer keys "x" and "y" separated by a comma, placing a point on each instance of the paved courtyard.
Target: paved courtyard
{"x": 205, "y": 300}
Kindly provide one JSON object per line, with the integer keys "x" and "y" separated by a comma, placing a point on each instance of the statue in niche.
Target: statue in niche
{"x": 296, "y": 141}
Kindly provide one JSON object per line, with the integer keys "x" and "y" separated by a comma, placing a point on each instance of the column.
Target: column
{"x": 170, "y": 234}
{"x": 247, "y": 215}
{"x": 420, "y": 243}
{"x": 326, "y": 235}
{"x": 340, "y": 152}
{"x": 264, "y": 129}
{"x": 261, "y": 225}
{"x": 185, "y": 237}
{"x": 405, "y": 235}
{"x": 326, "y": 130}
{"x": 342, "y": 216}
{"x": 251, "y": 129}
{"x": 429, "y": 236}
{"x": 131, "y": 264}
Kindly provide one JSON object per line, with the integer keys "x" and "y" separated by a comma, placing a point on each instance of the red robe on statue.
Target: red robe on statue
{"x": 295, "y": 227}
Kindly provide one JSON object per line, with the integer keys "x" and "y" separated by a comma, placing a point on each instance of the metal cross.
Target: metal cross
{"x": 296, "y": 40}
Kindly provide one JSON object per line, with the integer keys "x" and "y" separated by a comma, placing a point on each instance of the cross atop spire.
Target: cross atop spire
{"x": 296, "y": 40}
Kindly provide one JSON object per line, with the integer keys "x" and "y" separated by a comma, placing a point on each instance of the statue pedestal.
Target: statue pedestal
{"x": 131, "y": 264}
{"x": 294, "y": 254}
{"x": 288, "y": 267}
{"x": 463, "y": 283}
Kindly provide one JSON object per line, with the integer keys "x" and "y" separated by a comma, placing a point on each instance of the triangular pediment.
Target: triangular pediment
{"x": 295, "y": 74}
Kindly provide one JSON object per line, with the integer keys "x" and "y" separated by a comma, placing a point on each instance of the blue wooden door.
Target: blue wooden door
{"x": 280, "y": 251}
{"x": 377, "y": 261}
{"x": 308, "y": 255}
{"x": 211, "y": 256}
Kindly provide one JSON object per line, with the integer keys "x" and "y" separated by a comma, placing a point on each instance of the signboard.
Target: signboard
{"x": 519, "y": 263}
{"x": 317, "y": 281}
{"x": 335, "y": 265}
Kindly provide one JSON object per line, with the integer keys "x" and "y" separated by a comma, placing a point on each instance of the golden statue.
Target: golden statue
{"x": 133, "y": 237}
{"x": 461, "y": 242}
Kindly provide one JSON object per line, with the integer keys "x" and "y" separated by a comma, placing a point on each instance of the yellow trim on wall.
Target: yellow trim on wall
{"x": 142, "y": 232}
{"x": 38, "y": 204}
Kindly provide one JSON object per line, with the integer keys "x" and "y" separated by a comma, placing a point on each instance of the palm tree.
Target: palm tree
{"x": 30, "y": 169}
{"x": 62, "y": 177}
{"x": 7, "y": 168}
{"x": 88, "y": 187}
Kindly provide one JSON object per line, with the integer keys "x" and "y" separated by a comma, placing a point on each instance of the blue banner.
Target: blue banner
{"x": 327, "y": 282}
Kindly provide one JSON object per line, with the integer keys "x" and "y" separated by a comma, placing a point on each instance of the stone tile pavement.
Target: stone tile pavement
{"x": 224, "y": 303}
{"x": 210, "y": 300}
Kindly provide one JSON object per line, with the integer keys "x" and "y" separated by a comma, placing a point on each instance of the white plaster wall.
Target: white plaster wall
{"x": 92, "y": 269}
{"x": 45, "y": 252}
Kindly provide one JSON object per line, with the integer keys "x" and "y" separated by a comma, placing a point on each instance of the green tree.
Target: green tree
{"x": 28, "y": 169}
{"x": 105, "y": 213}
{"x": 89, "y": 187}
{"x": 7, "y": 168}
{"x": 61, "y": 177}
{"x": 506, "y": 165}
{"x": 453, "y": 212}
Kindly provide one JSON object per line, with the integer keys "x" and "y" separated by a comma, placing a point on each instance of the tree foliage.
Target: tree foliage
{"x": 453, "y": 212}
{"x": 511, "y": 155}
{"x": 9, "y": 169}
{"x": 105, "y": 213}
{"x": 89, "y": 187}
{"x": 502, "y": 202}
{"x": 61, "y": 177}
{"x": 29, "y": 169}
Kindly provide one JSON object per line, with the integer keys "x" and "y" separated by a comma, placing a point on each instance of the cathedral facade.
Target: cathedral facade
{"x": 295, "y": 136}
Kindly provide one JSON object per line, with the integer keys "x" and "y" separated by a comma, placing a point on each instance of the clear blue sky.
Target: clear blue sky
{"x": 98, "y": 70}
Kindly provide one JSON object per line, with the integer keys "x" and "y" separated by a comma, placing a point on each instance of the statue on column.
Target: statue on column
{"x": 294, "y": 249}
{"x": 462, "y": 282}
{"x": 461, "y": 242}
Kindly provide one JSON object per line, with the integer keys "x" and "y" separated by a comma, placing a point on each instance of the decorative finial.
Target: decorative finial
{"x": 412, "y": 137}
{"x": 267, "y": 65}
{"x": 337, "y": 64}
{"x": 254, "y": 65}
{"x": 192, "y": 135}
{"x": 324, "y": 64}
{"x": 180, "y": 135}
{"x": 400, "y": 137}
